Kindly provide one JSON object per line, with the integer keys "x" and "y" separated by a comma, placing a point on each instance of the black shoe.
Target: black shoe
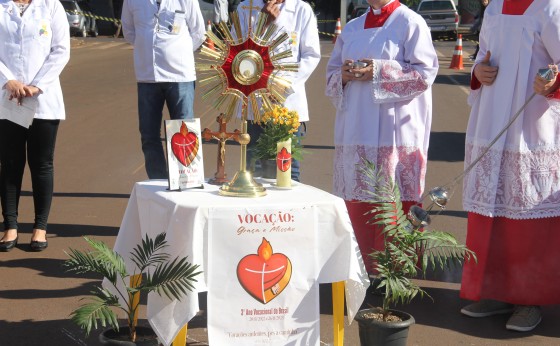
{"x": 6, "y": 246}
{"x": 38, "y": 245}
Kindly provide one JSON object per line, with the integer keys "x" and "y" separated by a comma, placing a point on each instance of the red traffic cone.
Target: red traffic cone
{"x": 337, "y": 30}
{"x": 209, "y": 42}
{"x": 457, "y": 60}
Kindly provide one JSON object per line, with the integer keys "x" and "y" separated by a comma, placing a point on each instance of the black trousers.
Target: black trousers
{"x": 36, "y": 145}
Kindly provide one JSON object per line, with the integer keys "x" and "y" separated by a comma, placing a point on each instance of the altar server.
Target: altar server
{"x": 296, "y": 18}
{"x": 513, "y": 193}
{"x": 35, "y": 40}
{"x": 383, "y": 110}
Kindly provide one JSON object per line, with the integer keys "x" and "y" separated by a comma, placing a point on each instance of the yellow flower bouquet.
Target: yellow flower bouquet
{"x": 278, "y": 124}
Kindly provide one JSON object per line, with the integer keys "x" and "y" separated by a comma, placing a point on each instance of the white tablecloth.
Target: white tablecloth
{"x": 184, "y": 217}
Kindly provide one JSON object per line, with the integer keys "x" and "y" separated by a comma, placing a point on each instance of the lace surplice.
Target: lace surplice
{"x": 386, "y": 120}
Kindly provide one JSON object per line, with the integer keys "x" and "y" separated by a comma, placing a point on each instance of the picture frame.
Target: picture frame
{"x": 185, "y": 163}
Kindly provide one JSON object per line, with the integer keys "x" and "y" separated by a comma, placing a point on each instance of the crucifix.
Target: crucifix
{"x": 250, "y": 7}
{"x": 220, "y": 177}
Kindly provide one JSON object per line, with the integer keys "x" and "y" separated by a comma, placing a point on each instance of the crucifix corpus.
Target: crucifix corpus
{"x": 220, "y": 177}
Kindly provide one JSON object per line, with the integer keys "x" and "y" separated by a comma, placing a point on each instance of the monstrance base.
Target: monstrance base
{"x": 243, "y": 185}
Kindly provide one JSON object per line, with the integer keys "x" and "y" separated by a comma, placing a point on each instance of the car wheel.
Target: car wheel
{"x": 83, "y": 32}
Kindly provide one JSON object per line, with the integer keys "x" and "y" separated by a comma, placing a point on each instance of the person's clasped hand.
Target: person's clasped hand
{"x": 272, "y": 8}
{"x": 18, "y": 90}
{"x": 543, "y": 86}
{"x": 356, "y": 74}
{"x": 484, "y": 72}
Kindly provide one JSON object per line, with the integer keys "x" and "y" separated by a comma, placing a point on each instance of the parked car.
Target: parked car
{"x": 81, "y": 21}
{"x": 358, "y": 11}
{"x": 440, "y": 15}
{"x": 207, "y": 9}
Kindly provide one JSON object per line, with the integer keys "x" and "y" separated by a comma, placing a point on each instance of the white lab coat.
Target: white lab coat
{"x": 386, "y": 120}
{"x": 164, "y": 40}
{"x": 519, "y": 176}
{"x": 299, "y": 22}
{"x": 34, "y": 48}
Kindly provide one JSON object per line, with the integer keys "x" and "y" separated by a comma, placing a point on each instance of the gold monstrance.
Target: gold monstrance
{"x": 241, "y": 71}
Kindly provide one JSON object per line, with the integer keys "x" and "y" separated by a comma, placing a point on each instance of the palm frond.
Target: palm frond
{"x": 103, "y": 261}
{"x": 98, "y": 311}
{"x": 173, "y": 279}
{"x": 442, "y": 250}
{"x": 146, "y": 254}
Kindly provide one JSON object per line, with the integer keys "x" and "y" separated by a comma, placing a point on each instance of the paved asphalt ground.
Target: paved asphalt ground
{"x": 98, "y": 159}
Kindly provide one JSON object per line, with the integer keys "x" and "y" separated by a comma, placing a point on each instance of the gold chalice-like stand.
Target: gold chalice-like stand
{"x": 243, "y": 184}
{"x": 245, "y": 72}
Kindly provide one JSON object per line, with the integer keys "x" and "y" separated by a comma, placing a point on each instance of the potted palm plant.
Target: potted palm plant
{"x": 154, "y": 272}
{"x": 410, "y": 250}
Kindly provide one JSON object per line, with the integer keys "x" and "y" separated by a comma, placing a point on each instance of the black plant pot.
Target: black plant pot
{"x": 145, "y": 336}
{"x": 379, "y": 333}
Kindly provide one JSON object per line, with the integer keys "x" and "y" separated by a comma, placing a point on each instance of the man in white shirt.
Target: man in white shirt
{"x": 296, "y": 18}
{"x": 165, "y": 35}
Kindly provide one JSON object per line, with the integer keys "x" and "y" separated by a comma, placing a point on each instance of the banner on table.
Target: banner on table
{"x": 184, "y": 153}
{"x": 261, "y": 277}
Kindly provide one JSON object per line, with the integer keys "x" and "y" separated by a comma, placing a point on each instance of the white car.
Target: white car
{"x": 81, "y": 21}
{"x": 440, "y": 15}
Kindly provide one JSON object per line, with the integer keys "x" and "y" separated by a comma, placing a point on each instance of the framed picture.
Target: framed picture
{"x": 184, "y": 153}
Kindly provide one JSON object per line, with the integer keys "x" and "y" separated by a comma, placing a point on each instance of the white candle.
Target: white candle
{"x": 284, "y": 163}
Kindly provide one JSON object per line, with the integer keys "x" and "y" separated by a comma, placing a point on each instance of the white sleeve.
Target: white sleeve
{"x": 334, "y": 90}
{"x": 195, "y": 22}
{"x": 127, "y": 22}
{"x": 5, "y": 75}
{"x": 309, "y": 47}
{"x": 395, "y": 80}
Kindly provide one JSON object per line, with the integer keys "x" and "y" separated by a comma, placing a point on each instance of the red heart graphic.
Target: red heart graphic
{"x": 184, "y": 145}
{"x": 284, "y": 160}
{"x": 264, "y": 275}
